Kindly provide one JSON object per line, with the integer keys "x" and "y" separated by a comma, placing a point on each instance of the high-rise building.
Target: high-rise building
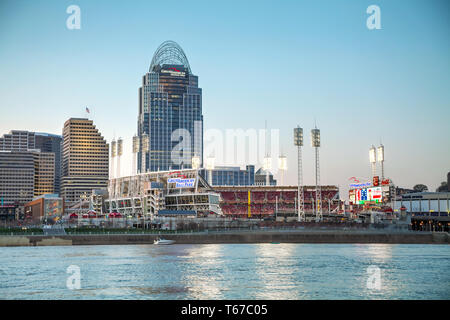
{"x": 47, "y": 142}
{"x": 261, "y": 178}
{"x": 169, "y": 99}
{"x": 85, "y": 162}
{"x": 21, "y": 140}
{"x": 25, "y": 174}
{"x": 17, "y": 170}
{"x": 44, "y": 173}
{"x": 17, "y": 140}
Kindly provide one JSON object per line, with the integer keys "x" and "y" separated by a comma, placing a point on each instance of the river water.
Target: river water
{"x": 227, "y": 271}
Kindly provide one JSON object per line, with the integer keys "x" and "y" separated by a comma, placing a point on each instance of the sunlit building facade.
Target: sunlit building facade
{"x": 85, "y": 162}
{"x": 44, "y": 173}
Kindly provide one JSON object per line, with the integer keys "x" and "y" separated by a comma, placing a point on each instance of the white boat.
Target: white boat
{"x": 163, "y": 241}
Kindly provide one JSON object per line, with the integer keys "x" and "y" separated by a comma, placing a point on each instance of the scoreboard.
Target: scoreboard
{"x": 360, "y": 196}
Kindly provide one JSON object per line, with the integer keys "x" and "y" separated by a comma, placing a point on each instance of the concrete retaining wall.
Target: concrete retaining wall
{"x": 233, "y": 237}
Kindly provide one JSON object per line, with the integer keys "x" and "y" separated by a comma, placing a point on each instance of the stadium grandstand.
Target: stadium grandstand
{"x": 264, "y": 200}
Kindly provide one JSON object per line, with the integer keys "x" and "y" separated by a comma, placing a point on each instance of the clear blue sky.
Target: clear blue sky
{"x": 287, "y": 62}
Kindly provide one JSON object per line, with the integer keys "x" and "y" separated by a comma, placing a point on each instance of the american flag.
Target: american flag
{"x": 87, "y": 110}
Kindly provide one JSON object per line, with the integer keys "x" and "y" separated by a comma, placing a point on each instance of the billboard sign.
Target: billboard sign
{"x": 362, "y": 195}
{"x": 375, "y": 194}
{"x": 182, "y": 183}
{"x": 360, "y": 185}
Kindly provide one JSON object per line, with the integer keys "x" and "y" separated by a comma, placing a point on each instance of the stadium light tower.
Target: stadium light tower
{"x": 298, "y": 142}
{"x": 282, "y": 166}
{"x": 315, "y": 143}
{"x": 373, "y": 160}
{"x": 380, "y": 156}
{"x": 267, "y": 166}
{"x": 145, "y": 148}
{"x": 113, "y": 156}
{"x": 195, "y": 162}
{"x": 210, "y": 168}
{"x": 119, "y": 154}
{"x": 135, "y": 152}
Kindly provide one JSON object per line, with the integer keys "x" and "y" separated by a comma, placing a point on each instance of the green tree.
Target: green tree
{"x": 443, "y": 187}
{"x": 420, "y": 188}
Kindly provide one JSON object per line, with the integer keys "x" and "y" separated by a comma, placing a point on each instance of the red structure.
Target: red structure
{"x": 234, "y": 199}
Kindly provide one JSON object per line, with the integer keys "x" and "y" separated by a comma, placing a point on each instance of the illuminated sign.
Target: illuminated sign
{"x": 385, "y": 182}
{"x": 182, "y": 183}
{"x": 177, "y": 174}
{"x": 376, "y": 181}
{"x": 360, "y": 196}
{"x": 375, "y": 194}
{"x": 360, "y": 185}
{"x": 351, "y": 196}
{"x": 174, "y": 72}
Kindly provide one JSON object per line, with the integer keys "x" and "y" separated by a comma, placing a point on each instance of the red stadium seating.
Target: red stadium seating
{"x": 234, "y": 203}
{"x": 258, "y": 197}
{"x": 242, "y": 196}
{"x": 228, "y": 196}
{"x": 272, "y": 196}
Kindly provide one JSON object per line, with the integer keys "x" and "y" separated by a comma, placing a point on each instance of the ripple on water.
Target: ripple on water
{"x": 227, "y": 271}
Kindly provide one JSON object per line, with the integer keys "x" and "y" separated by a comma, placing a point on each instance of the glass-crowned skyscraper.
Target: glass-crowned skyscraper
{"x": 170, "y": 123}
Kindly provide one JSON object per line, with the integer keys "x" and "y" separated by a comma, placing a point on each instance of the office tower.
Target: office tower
{"x": 44, "y": 173}
{"x": 169, "y": 99}
{"x": 24, "y": 175}
{"x": 17, "y": 170}
{"x": 264, "y": 177}
{"x": 85, "y": 162}
{"x": 17, "y": 140}
{"x": 47, "y": 142}
{"x": 21, "y": 140}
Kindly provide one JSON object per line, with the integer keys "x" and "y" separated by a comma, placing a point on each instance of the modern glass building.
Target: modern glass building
{"x": 230, "y": 176}
{"x": 170, "y": 122}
